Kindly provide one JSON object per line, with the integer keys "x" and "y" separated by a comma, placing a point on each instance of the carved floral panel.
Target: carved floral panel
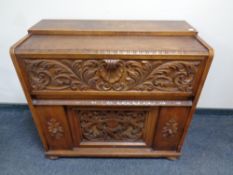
{"x": 107, "y": 125}
{"x": 111, "y": 75}
{"x": 55, "y": 128}
{"x": 170, "y": 128}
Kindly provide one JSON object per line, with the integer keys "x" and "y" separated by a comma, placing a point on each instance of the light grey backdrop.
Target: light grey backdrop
{"x": 212, "y": 18}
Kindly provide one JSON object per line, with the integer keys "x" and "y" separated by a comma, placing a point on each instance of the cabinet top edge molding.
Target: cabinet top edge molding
{"x": 115, "y": 37}
{"x": 112, "y": 27}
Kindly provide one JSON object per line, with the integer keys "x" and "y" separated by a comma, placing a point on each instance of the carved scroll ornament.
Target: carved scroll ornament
{"x": 112, "y": 75}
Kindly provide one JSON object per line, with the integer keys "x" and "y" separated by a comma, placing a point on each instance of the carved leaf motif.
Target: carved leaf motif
{"x": 55, "y": 129}
{"x": 112, "y": 125}
{"x": 170, "y": 129}
{"x": 112, "y": 75}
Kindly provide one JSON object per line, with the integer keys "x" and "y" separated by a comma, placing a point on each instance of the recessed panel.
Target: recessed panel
{"x": 113, "y": 127}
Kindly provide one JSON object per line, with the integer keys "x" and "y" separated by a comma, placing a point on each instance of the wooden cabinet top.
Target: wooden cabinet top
{"x": 114, "y": 27}
{"x": 100, "y": 37}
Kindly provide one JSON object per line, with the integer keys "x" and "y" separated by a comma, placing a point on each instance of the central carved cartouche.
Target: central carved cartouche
{"x": 111, "y": 70}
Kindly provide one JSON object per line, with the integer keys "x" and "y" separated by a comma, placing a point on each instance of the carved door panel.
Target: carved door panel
{"x": 170, "y": 127}
{"x": 112, "y": 127}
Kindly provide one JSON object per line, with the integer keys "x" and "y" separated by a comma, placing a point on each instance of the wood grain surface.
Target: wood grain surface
{"x": 112, "y": 88}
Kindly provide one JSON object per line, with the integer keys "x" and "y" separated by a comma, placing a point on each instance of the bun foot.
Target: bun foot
{"x": 52, "y": 157}
{"x": 172, "y": 158}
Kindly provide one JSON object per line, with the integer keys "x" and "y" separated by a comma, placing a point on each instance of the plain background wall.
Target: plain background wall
{"x": 212, "y": 18}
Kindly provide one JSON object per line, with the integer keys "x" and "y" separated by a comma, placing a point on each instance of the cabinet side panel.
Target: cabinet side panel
{"x": 55, "y": 126}
{"x": 26, "y": 90}
{"x": 170, "y": 127}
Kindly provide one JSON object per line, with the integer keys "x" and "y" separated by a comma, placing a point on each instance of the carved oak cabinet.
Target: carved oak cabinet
{"x": 112, "y": 88}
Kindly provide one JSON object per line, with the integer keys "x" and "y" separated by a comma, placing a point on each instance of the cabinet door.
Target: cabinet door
{"x": 170, "y": 127}
{"x": 112, "y": 127}
{"x": 55, "y": 127}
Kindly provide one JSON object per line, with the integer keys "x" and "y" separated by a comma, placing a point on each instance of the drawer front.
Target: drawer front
{"x": 112, "y": 127}
{"x": 112, "y": 77}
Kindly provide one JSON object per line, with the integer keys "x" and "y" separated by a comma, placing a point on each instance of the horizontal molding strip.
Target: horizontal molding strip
{"x": 113, "y": 102}
{"x": 199, "y": 110}
{"x": 161, "y": 52}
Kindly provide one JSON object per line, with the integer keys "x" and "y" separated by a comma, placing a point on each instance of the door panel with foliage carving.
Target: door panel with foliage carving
{"x": 159, "y": 128}
{"x": 120, "y": 127}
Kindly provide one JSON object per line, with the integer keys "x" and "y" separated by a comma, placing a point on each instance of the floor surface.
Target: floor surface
{"x": 208, "y": 149}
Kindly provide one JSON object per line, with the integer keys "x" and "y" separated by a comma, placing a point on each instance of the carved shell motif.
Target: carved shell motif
{"x": 170, "y": 129}
{"x": 111, "y": 70}
{"x": 55, "y": 129}
{"x": 112, "y": 75}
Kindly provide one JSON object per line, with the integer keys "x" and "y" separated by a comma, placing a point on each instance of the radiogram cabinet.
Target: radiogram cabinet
{"x": 112, "y": 88}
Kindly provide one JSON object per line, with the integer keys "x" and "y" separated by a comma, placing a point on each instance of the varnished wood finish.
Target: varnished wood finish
{"x": 111, "y": 45}
{"x": 108, "y": 127}
{"x": 26, "y": 91}
{"x": 113, "y": 152}
{"x": 112, "y": 88}
{"x": 170, "y": 127}
{"x": 112, "y": 76}
{"x": 55, "y": 126}
{"x": 200, "y": 86}
{"x": 104, "y": 27}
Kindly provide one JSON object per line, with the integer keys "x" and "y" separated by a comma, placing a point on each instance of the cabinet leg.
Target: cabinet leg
{"x": 52, "y": 157}
{"x": 172, "y": 158}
